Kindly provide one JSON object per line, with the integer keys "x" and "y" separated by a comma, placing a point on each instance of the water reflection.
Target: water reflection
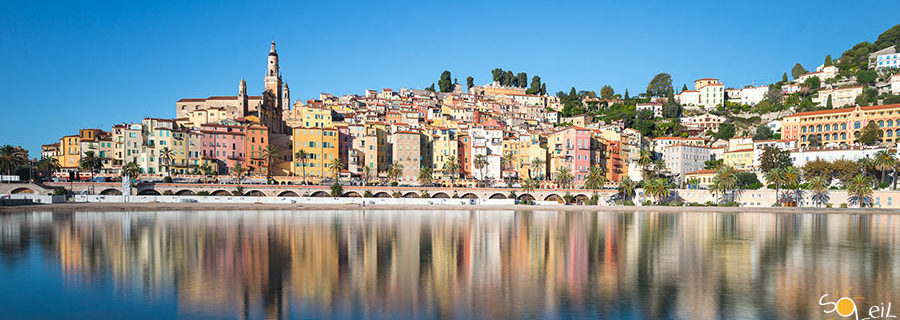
{"x": 456, "y": 264}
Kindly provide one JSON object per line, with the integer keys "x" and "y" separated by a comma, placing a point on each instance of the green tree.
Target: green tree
{"x": 166, "y": 155}
{"x": 607, "y": 92}
{"x": 336, "y": 166}
{"x": 11, "y": 158}
{"x": 763, "y": 133}
{"x": 47, "y": 166}
{"x": 302, "y": 156}
{"x": 480, "y": 162}
{"x": 537, "y": 165}
{"x": 829, "y": 104}
{"x": 844, "y": 170}
{"x": 660, "y": 86}
{"x": 626, "y": 94}
{"x": 425, "y": 176}
{"x": 430, "y": 88}
{"x": 269, "y": 153}
{"x": 451, "y": 167}
{"x": 818, "y": 168}
{"x": 470, "y": 82}
{"x": 536, "y": 84}
{"x": 798, "y": 71}
{"x": 884, "y": 161}
{"x": 337, "y": 190}
{"x": 812, "y": 83}
{"x": 671, "y": 109}
{"x": 238, "y": 170}
{"x": 772, "y": 157}
{"x": 595, "y": 178}
{"x": 508, "y": 78}
{"x": 394, "y": 171}
{"x": 683, "y": 87}
{"x": 132, "y": 170}
{"x": 529, "y": 185}
{"x": 724, "y": 183}
{"x": 497, "y": 75}
{"x": 726, "y": 131}
{"x": 543, "y": 88}
{"x": 870, "y": 134}
{"x": 784, "y": 77}
{"x": 522, "y": 80}
{"x": 866, "y": 76}
{"x": 828, "y": 60}
{"x": 445, "y": 83}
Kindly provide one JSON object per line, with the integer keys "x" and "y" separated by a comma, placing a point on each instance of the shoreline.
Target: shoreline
{"x": 137, "y": 207}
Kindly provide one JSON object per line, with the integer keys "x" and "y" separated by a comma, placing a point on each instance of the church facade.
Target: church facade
{"x": 267, "y": 108}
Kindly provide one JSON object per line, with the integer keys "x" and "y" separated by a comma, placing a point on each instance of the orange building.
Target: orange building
{"x": 255, "y": 146}
{"x": 841, "y": 126}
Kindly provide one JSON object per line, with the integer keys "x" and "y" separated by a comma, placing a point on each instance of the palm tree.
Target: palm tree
{"x": 724, "y": 181}
{"x": 239, "y": 171}
{"x": 451, "y": 167}
{"x": 302, "y": 155}
{"x": 12, "y": 158}
{"x": 132, "y": 170}
{"x": 626, "y": 188}
{"x": 819, "y": 188}
{"x": 206, "y": 169}
{"x": 506, "y": 162}
{"x": 659, "y": 165}
{"x": 394, "y": 171}
{"x": 529, "y": 185}
{"x": 775, "y": 177}
{"x": 792, "y": 182}
{"x": 645, "y": 160}
{"x": 166, "y": 156}
{"x": 480, "y": 162}
{"x": 658, "y": 188}
{"x": 537, "y": 164}
{"x": 860, "y": 191}
{"x": 47, "y": 166}
{"x": 694, "y": 182}
{"x": 89, "y": 161}
{"x": 425, "y": 175}
{"x": 595, "y": 178}
{"x": 883, "y": 161}
{"x": 866, "y": 165}
{"x": 336, "y": 166}
{"x": 269, "y": 152}
{"x": 564, "y": 177}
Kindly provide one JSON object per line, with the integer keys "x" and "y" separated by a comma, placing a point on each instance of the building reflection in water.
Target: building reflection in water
{"x": 504, "y": 264}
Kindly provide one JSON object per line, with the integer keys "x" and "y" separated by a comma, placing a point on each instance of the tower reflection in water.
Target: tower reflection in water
{"x": 429, "y": 264}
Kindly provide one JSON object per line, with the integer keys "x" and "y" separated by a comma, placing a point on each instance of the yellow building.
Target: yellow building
{"x": 443, "y": 145}
{"x": 308, "y": 116}
{"x": 741, "y": 159}
{"x": 321, "y": 147}
{"x": 841, "y": 126}
{"x": 704, "y": 177}
{"x": 69, "y": 151}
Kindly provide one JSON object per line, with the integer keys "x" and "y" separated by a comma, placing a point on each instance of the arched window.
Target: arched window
{"x": 881, "y": 123}
{"x": 890, "y": 123}
{"x": 819, "y": 128}
{"x": 843, "y": 126}
{"x": 827, "y": 127}
{"x": 803, "y": 129}
{"x": 827, "y": 137}
{"x": 890, "y": 133}
{"x": 834, "y": 136}
{"x": 803, "y": 138}
{"x": 843, "y": 136}
{"x": 857, "y": 125}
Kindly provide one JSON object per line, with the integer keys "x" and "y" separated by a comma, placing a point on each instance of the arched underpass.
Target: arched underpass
{"x": 220, "y": 193}
{"x": 411, "y": 195}
{"x": 497, "y": 196}
{"x": 288, "y": 194}
{"x": 184, "y": 193}
{"x": 148, "y": 192}
{"x": 470, "y": 196}
{"x": 111, "y": 192}
{"x": 353, "y": 194}
{"x": 320, "y": 194}
{"x": 22, "y": 191}
{"x": 440, "y": 195}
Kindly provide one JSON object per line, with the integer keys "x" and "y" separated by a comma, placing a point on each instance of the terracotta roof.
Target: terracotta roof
{"x": 843, "y": 110}
{"x": 704, "y": 171}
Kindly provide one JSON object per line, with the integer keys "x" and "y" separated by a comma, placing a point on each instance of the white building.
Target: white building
{"x": 884, "y": 61}
{"x": 759, "y": 146}
{"x": 702, "y": 122}
{"x": 689, "y": 98}
{"x": 840, "y": 97}
{"x": 895, "y": 83}
{"x": 801, "y": 156}
{"x": 487, "y": 142}
{"x": 753, "y": 95}
{"x": 684, "y": 158}
{"x": 660, "y": 143}
{"x": 655, "y": 108}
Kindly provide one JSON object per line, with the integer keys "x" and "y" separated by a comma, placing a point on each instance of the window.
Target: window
{"x": 856, "y": 125}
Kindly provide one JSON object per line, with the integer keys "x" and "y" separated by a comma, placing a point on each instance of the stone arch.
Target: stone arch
{"x": 288, "y": 193}
{"x": 220, "y": 193}
{"x": 581, "y": 198}
{"x": 470, "y": 196}
{"x": 184, "y": 192}
{"x": 255, "y": 193}
{"x": 526, "y": 196}
{"x": 440, "y": 195}
{"x": 382, "y": 194}
{"x": 22, "y": 191}
{"x": 553, "y": 197}
{"x": 497, "y": 196}
{"x": 321, "y": 194}
{"x": 411, "y": 194}
{"x": 149, "y": 192}
{"x": 353, "y": 194}
{"x": 111, "y": 192}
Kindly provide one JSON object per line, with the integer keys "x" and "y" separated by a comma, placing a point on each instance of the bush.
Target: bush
{"x": 730, "y": 204}
{"x": 753, "y": 186}
{"x": 883, "y": 185}
{"x": 425, "y": 194}
{"x": 168, "y": 192}
{"x": 512, "y": 195}
{"x": 648, "y": 203}
{"x": 628, "y": 203}
{"x": 367, "y": 194}
{"x": 843, "y": 205}
{"x": 60, "y": 192}
{"x": 828, "y": 205}
{"x": 394, "y": 184}
{"x": 569, "y": 198}
{"x": 397, "y": 194}
{"x": 203, "y": 193}
{"x": 167, "y": 180}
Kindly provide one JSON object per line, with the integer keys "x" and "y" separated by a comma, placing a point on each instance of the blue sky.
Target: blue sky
{"x": 68, "y": 65}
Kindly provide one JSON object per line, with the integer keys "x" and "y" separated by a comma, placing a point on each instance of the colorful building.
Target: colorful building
{"x": 841, "y": 126}
{"x": 321, "y": 148}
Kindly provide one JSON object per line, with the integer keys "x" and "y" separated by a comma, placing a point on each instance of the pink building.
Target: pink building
{"x": 224, "y": 143}
{"x": 571, "y": 147}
